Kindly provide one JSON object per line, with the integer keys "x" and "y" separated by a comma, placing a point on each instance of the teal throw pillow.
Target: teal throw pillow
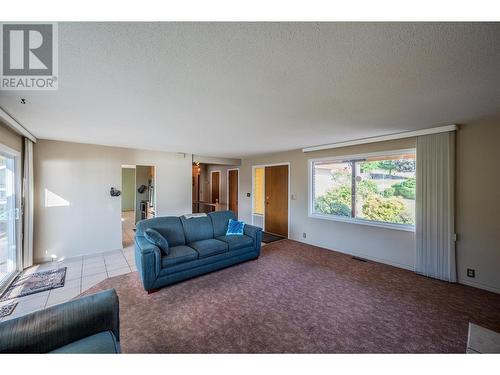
{"x": 235, "y": 228}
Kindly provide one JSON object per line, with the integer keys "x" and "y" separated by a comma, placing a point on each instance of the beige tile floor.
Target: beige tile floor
{"x": 82, "y": 273}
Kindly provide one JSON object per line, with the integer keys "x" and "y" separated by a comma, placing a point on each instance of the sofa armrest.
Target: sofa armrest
{"x": 255, "y": 233}
{"x": 56, "y": 326}
{"x": 147, "y": 260}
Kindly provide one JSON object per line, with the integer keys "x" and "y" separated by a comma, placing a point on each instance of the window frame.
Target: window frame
{"x": 353, "y": 220}
{"x": 16, "y": 156}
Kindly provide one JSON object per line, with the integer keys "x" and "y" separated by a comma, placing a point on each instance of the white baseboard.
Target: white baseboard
{"x": 399, "y": 265}
{"x": 475, "y": 284}
{"x": 360, "y": 255}
{"x": 48, "y": 259}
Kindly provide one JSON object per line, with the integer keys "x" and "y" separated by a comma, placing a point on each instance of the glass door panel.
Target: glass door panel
{"x": 8, "y": 219}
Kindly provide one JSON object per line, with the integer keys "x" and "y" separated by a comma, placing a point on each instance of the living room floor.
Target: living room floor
{"x": 82, "y": 273}
{"x": 294, "y": 298}
{"x": 298, "y": 298}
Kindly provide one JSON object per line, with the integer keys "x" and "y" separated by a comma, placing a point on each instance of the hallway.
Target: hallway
{"x": 128, "y": 226}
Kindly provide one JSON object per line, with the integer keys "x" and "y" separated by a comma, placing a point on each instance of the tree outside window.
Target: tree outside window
{"x": 380, "y": 189}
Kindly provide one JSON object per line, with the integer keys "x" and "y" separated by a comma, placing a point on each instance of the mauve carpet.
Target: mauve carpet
{"x": 298, "y": 298}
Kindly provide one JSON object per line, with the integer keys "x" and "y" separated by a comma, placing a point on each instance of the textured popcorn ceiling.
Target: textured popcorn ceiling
{"x": 237, "y": 89}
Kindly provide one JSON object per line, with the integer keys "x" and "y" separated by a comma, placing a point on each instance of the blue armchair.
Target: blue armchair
{"x": 86, "y": 325}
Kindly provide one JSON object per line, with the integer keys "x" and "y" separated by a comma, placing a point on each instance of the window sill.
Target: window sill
{"x": 351, "y": 220}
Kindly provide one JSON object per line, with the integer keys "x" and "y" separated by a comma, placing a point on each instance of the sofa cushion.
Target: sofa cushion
{"x": 100, "y": 343}
{"x": 179, "y": 254}
{"x": 209, "y": 247}
{"x": 197, "y": 228}
{"x": 237, "y": 242}
{"x": 169, "y": 227}
{"x": 156, "y": 238}
{"x": 193, "y": 265}
{"x": 220, "y": 220}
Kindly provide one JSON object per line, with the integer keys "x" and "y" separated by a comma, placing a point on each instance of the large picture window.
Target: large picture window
{"x": 368, "y": 189}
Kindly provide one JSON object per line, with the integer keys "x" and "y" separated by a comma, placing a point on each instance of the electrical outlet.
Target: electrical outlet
{"x": 304, "y": 235}
{"x": 471, "y": 272}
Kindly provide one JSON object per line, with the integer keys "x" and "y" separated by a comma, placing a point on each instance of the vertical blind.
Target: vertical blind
{"x": 435, "y": 255}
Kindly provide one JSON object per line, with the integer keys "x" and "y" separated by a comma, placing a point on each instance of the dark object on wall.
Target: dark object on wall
{"x": 144, "y": 209}
{"x": 115, "y": 193}
{"x": 142, "y": 189}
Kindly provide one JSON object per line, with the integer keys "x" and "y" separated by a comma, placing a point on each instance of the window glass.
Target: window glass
{"x": 8, "y": 218}
{"x": 332, "y": 188}
{"x": 385, "y": 189}
{"x": 380, "y": 189}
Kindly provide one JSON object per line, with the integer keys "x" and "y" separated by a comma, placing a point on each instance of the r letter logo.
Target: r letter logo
{"x": 29, "y": 57}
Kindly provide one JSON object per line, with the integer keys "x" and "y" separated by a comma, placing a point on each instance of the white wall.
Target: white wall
{"x": 10, "y": 138}
{"x": 82, "y": 175}
{"x": 390, "y": 246}
{"x": 477, "y": 203}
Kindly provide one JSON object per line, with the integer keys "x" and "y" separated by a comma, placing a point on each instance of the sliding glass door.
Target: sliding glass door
{"x": 9, "y": 214}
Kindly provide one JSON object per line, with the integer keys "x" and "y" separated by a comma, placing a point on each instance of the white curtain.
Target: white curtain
{"x": 435, "y": 229}
{"x": 28, "y": 204}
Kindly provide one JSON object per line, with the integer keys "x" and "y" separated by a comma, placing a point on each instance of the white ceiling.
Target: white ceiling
{"x": 238, "y": 89}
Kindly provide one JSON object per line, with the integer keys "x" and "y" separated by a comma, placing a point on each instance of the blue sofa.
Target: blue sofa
{"x": 86, "y": 325}
{"x": 196, "y": 246}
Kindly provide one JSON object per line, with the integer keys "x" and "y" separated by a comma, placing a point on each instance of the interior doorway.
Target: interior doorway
{"x": 215, "y": 186}
{"x": 138, "y": 198}
{"x": 233, "y": 182}
{"x": 276, "y": 200}
{"x": 270, "y": 206}
{"x": 128, "y": 205}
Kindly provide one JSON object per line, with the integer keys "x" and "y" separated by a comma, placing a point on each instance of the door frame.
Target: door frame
{"x": 220, "y": 183}
{"x": 155, "y": 184}
{"x": 227, "y": 187}
{"x": 155, "y": 181}
{"x": 16, "y": 155}
{"x": 253, "y": 192}
{"x": 128, "y": 166}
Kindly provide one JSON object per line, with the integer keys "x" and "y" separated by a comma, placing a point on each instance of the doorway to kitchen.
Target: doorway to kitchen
{"x": 138, "y": 198}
